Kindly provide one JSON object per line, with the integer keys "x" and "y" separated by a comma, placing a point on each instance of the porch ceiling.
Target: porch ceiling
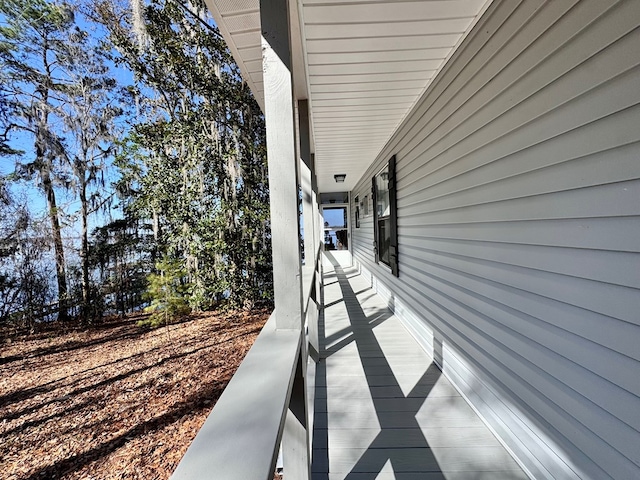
{"x": 362, "y": 63}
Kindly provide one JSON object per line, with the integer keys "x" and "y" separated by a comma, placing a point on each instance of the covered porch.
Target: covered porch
{"x": 369, "y": 404}
{"x": 383, "y": 409}
{"x": 486, "y": 155}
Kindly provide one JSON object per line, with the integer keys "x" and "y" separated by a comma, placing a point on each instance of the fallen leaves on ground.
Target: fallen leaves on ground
{"x": 116, "y": 401}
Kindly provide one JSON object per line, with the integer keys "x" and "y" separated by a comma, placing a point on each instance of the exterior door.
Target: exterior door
{"x": 336, "y": 227}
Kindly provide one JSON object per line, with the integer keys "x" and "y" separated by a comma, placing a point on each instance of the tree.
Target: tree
{"x": 167, "y": 292}
{"x": 33, "y": 41}
{"x": 120, "y": 252}
{"x": 58, "y": 90}
{"x": 89, "y": 113}
{"x": 24, "y": 277}
{"x": 195, "y": 162}
{"x": 9, "y": 231}
{"x": 5, "y": 122}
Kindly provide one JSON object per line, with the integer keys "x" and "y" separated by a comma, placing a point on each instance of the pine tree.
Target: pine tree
{"x": 120, "y": 252}
{"x": 89, "y": 114}
{"x": 167, "y": 291}
{"x": 32, "y": 41}
{"x": 59, "y": 91}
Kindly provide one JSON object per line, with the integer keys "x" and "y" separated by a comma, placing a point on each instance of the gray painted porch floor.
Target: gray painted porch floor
{"x": 383, "y": 410}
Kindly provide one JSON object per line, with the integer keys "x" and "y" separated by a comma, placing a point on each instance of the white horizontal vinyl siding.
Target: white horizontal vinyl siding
{"x": 519, "y": 230}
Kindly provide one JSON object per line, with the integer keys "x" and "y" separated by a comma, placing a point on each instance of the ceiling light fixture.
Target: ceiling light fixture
{"x": 339, "y": 178}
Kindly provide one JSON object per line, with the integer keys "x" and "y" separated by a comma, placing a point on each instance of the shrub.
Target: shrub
{"x": 167, "y": 292}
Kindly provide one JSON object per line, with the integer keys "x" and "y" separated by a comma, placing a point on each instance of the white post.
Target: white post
{"x": 283, "y": 166}
{"x": 285, "y": 230}
{"x": 310, "y": 225}
{"x": 306, "y": 175}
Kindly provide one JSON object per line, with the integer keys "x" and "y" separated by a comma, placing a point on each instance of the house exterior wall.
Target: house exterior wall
{"x": 519, "y": 231}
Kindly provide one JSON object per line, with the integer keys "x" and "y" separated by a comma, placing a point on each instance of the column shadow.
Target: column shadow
{"x": 395, "y": 411}
{"x": 320, "y": 436}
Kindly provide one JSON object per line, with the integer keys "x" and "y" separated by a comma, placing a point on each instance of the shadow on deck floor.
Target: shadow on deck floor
{"x": 383, "y": 410}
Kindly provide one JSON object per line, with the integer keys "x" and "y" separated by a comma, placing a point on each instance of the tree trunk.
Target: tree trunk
{"x": 61, "y": 274}
{"x": 44, "y": 161}
{"x": 84, "y": 254}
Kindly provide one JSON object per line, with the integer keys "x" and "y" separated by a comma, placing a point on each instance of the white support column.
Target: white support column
{"x": 310, "y": 240}
{"x": 310, "y": 226}
{"x": 281, "y": 157}
{"x": 319, "y": 221}
{"x": 306, "y": 174}
{"x": 319, "y": 232}
{"x": 285, "y": 230}
{"x": 318, "y": 216}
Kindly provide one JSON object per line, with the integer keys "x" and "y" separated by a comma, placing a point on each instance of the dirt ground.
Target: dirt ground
{"x": 117, "y": 401}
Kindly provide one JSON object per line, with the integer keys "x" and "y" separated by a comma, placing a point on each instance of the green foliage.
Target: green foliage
{"x": 24, "y": 276}
{"x": 190, "y": 152}
{"x": 167, "y": 291}
{"x": 194, "y": 165}
{"x": 35, "y": 41}
{"x": 56, "y": 90}
{"x": 38, "y": 42}
{"x": 120, "y": 257}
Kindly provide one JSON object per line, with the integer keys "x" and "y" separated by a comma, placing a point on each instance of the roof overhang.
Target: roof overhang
{"x": 362, "y": 64}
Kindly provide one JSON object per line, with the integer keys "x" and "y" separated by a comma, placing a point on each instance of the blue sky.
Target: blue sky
{"x": 29, "y": 189}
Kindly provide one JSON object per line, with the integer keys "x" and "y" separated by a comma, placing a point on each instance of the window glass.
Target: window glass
{"x": 385, "y": 216}
{"x": 383, "y": 208}
{"x": 384, "y": 239}
{"x": 336, "y": 235}
{"x": 383, "y": 212}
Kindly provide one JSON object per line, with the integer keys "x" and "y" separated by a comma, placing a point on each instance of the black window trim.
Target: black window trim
{"x": 393, "y": 217}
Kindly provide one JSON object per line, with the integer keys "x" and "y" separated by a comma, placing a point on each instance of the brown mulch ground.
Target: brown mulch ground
{"x": 116, "y": 401}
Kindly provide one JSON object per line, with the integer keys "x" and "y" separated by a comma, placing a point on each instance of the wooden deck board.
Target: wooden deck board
{"x": 373, "y": 419}
{"x": 383, "y": 410}
{"x": 389, "y": 475}
{"x": 440, "y": 389}
{"x": 410, "y": 437}
{"x": 446, "y": 459}
{"x": 452, "y": 406}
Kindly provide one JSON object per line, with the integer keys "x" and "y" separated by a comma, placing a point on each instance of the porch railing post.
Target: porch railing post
{"x": 285, "y": 231}
{"x": 319, "y": 235}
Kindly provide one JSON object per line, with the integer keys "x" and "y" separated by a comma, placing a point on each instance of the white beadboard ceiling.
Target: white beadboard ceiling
{"x": 366, "y": 63}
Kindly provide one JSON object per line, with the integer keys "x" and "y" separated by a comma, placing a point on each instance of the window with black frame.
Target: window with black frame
{"x": 386, "y": 231}
{"x": 383, "y": 215}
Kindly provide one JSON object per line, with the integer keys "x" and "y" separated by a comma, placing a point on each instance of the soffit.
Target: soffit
{"x": 366, "y": 63}
{"x": 239, "y": 24}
